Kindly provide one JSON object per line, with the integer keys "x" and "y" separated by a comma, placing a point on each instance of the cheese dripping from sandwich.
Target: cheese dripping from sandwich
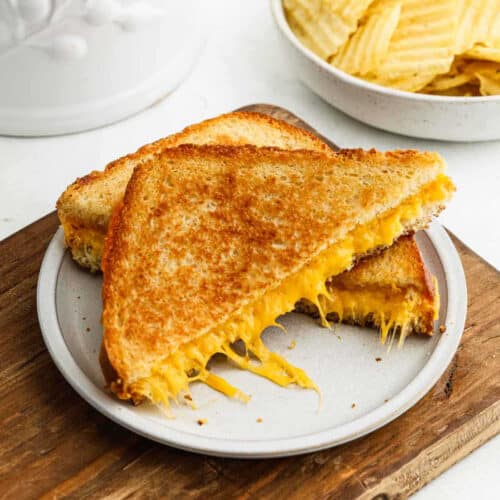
{"x": 170, "y": 378}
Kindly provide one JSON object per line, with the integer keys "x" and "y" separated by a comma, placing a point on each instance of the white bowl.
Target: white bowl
{"x": 418, "y": 115}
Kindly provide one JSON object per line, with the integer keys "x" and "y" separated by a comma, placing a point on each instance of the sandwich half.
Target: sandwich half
{"x": 392, "y": 291}
{"x": 212, "y": 243}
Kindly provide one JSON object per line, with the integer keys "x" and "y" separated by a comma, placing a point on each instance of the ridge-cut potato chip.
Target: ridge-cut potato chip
{"x": 422, "y": 45}
{"x": 467, "y": 90}
{"x": 475, "y": 22}
{"x": 488, "y": 85}
{"x": 487, "y": 74}
{"x": 377, "y": 6}
{"x": 324, "y": 26}
{"x": 485, "y": 67}
{"x": 412, "y": 83}
{"x": 447, "y": 82}
{"x": 456, "y": 77}
{"x": 494, "y": 34}
{"x": 484, "y": 53}
{"x": 364, "y": 51}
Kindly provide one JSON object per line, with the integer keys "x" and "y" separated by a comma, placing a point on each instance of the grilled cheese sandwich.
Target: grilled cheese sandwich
{"x": 85, "y": 206}
{"x": 232, "y": 234}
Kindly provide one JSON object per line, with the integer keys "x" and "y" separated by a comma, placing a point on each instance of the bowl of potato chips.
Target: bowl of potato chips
{"x": 423, "y": 68}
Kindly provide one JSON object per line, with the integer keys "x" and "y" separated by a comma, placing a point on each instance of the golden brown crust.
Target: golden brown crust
{"x": 86, "y": 205}
{"x": 238, "y": 135}
{"x": 90, "y": 199}
{"x": 108, "y": 371}
{"x": 400, "y": 265}
{"x": 205, "y": 230}
{"x": 113, "y": 228}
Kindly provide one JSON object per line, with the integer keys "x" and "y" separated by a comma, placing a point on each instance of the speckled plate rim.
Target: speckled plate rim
{"x": 126, "y": 415}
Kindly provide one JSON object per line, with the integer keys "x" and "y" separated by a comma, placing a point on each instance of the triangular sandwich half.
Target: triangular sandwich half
{"x": 213, "y": 243}
{"x": 392, "y": 291}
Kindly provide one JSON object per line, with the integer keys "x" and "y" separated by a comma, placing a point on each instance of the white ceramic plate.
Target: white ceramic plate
{"x": 418, "y": 115}
{"x": 341, "y": 361}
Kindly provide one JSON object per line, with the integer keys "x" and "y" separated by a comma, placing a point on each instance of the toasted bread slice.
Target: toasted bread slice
{"x": 392, "y": 291}
{"x": 213, "y": 243}
{"x": 84, "y": 209}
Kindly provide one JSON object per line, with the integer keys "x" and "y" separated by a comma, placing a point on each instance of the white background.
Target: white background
{"x": 241, "y": 64}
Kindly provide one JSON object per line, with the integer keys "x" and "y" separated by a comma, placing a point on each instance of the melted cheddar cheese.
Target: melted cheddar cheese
{"x": 86, "y": 245}
{"x": 171, "y": 378}
{"x": 391, "y": 310}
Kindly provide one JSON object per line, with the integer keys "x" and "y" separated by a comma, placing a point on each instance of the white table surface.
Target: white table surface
{"x": 242, "y": 64}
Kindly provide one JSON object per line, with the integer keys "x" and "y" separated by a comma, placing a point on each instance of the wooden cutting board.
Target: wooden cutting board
{"x": 52, "y": 442}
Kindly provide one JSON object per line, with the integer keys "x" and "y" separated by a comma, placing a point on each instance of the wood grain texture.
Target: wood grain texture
{"x": 54, "y": 444}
